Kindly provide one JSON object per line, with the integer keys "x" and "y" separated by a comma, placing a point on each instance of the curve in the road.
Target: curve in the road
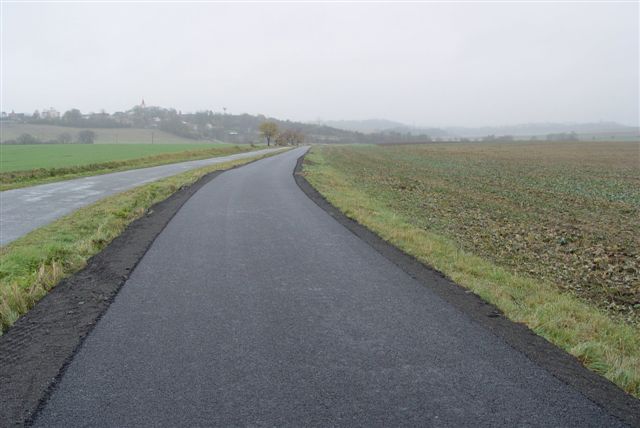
{"x": 255, "y": 307}
{"x": 23, "y": 210}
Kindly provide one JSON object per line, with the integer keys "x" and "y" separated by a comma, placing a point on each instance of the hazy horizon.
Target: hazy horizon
{"x": 427, "y": 64}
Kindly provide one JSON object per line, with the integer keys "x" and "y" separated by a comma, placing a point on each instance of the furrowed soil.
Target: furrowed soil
{"x": 546, "y": 232}
{"x": 560, "y": 212}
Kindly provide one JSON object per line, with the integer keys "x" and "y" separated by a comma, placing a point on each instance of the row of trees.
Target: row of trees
{"x": 562, "y": 136}
{"x": 150, "y": 117}
{"x": 287, "y": 137}
{"x": 85, "y": 136}
{"x": 209, "y": 125}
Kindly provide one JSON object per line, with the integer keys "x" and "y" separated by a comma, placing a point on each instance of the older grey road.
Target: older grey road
{"x": 254, "y": 307}
{"x": 23, "y": 210}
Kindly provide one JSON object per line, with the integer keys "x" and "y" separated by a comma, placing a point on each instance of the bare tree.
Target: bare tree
{"x": 289, "y": 137}
{"x": 281, "y": 138}
{"x": 269, "y": 130}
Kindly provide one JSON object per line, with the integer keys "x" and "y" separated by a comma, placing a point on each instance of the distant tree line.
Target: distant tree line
{"x": 209, "y": 125}
{"x": 498, "y": 138}
{"x": 563, "y": 136}
{"x": 85, "y": 136}
{"x": 74, "y": 118}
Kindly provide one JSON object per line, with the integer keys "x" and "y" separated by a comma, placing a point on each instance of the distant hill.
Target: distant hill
{"x": 158, "y": 124}
{"x": 149, "y": 122}
{"x": 541, "y": 129}
{"x": 384, "y": 126}
{"x": 368, "y": 126}
{"x": 598, "y": 130}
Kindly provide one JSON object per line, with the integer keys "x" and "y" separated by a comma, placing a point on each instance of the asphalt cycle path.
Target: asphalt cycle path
{"x": 25, "y": 209}
{"x": 254, "y": 307}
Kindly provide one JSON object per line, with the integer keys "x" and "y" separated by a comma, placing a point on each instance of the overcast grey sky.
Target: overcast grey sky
{"x": 425, "y": 64}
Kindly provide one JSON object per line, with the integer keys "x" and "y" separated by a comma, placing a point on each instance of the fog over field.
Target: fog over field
{"x": 429, "y": 64}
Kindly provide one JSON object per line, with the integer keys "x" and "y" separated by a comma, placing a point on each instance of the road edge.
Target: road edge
{"x": 98, "y": 173}
{"x": 36, "y": 350}
{"x": 543, "y": 353}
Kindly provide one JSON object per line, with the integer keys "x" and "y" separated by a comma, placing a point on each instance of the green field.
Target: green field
{"x": 548, "y": 232}
{"x": 32, "y": 156}
{"x": 28, "y": 165}
{"x": 11, "y": 131}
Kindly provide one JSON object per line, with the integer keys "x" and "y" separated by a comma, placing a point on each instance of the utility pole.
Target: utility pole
{"x": 151, "y": 137}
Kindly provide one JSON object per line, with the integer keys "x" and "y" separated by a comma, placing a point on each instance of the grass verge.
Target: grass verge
{"x": 607, "y": 346}
{"x": 23, "y": 178}
{"x": 32, "y": 265}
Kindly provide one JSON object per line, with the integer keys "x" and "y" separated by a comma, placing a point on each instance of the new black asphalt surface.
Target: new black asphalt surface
{"x": 255, "y": 307}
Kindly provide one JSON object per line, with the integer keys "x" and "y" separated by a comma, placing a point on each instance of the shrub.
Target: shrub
{"x": 86, "y": 136}
{"x": 27, "y": 139}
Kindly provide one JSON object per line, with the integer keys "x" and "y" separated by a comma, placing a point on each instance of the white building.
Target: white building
{"x": 50, "y": 113}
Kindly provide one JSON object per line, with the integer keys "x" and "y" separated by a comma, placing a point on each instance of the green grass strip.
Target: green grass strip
{"x": 606, "y": 346}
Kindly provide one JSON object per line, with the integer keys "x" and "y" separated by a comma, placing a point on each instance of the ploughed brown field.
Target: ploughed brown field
{"x": 549, "y": 232}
